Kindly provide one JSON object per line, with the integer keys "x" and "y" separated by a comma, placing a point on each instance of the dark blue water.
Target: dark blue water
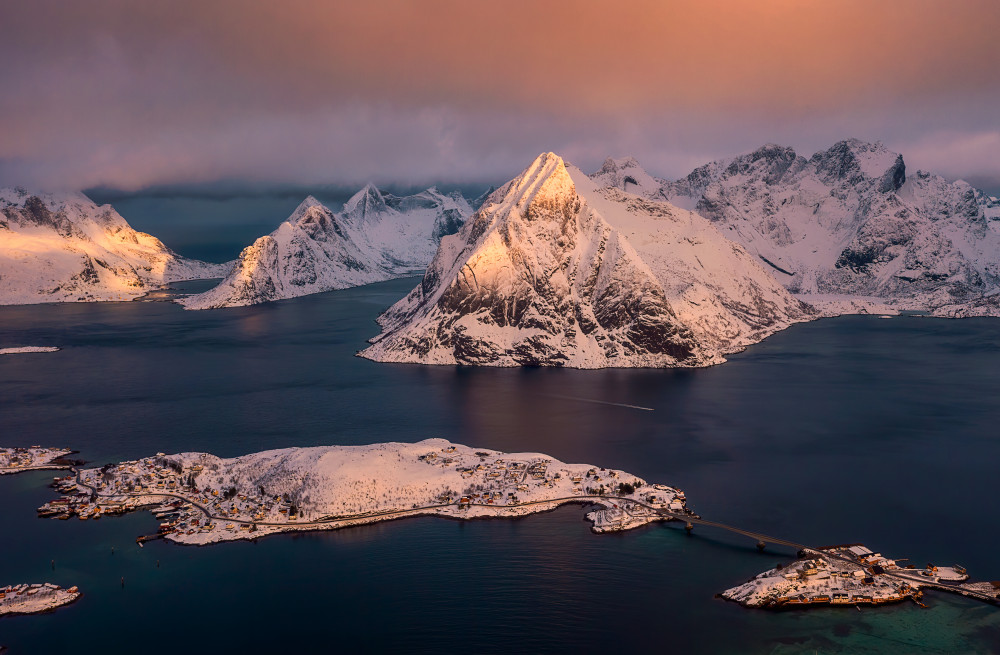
{"x": 841, "y": 430}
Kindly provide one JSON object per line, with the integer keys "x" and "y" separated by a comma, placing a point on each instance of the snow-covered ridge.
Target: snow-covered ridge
{"x": 555, "y": 270}
{"x": 205, "y": 499}
{"x": 848, "y": 221}
{"x": 375, "y": 237}
{"x": 65, "y": 248}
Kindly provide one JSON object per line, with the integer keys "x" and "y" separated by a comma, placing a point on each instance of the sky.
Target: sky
{"x": 130, "y": 95}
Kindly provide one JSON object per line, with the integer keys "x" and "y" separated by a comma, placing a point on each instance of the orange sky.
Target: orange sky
{"x": 131, "y": 94}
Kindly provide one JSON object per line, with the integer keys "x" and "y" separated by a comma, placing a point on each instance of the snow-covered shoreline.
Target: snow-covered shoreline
{"x": 201, "y": 499}
{"x": 848, "y": 575}
{"x": 35, "y": 598}
{"x": 35, "y": 458}
{"x": 204, "y": 499}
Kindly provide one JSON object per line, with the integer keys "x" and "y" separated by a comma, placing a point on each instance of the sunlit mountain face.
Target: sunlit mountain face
{"x": 709, "y": 316}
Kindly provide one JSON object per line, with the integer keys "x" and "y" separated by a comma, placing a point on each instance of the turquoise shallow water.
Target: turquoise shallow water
{"x": 841, "y": 430}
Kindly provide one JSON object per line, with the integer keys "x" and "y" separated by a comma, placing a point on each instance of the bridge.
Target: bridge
{"x": 690, "y": 520}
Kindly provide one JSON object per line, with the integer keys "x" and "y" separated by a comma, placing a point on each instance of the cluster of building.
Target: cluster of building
{"x": 17, "y": 460}
{"x": 201, "y": 499}
{"x": 170, "y": 491}
{"x": 841, "y": 575}
{"x": 33, "y": 598}
{"x": 502, "y": 481}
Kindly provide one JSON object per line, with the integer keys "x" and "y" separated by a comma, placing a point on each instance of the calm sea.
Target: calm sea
{"x": 841, "y": 430}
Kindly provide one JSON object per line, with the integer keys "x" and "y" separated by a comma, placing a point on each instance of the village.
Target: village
{"x": 842, "y": 575}
{"x": 35, "y": 598}
{"x": 35, "y": 458}
{"x": 201, "y": 499}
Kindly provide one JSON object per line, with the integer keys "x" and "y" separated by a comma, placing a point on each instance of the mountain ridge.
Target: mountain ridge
{"x": 851, "y": 221}
{"x": 375, "y": 237}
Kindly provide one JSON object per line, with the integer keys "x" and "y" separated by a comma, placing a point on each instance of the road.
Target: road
{"x": 760, "y": 537}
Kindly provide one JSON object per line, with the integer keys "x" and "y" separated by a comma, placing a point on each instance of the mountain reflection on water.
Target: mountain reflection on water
{"x": 841, "y": 430}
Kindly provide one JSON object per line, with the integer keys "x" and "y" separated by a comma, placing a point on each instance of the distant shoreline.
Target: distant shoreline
{"x": 28, "y": 349}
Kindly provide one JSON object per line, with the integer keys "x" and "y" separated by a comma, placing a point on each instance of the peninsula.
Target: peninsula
{"x": 35, "y": 458}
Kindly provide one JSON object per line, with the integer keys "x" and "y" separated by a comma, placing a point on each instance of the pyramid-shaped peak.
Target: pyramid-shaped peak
{"x": 306, "y": 207}
{"x": 368, "y": 200}
{"x": 545, "y": 180}
{"x": 309, "y": 202}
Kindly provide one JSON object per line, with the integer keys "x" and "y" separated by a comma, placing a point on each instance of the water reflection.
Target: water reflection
{"x": 851, "y": 429}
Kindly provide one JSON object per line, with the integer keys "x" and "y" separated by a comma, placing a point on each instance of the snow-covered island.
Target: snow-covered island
{"x": 203, "y": 499}
{"x": 35, "y": 598}
{"x": 850, "y": 575}
{"x": 35, "y": 458}
{"x": 28, "y": 349}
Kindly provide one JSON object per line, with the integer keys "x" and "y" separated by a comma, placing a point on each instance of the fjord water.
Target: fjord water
{"x": 841, "y": 430}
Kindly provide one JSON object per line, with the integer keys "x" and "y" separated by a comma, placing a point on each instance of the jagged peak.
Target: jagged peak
{"x": 774, "y": 158}
{"x": 627, "y": 174}
{"x": 612, "y": 164}
{"x": 854, "y": 158}
{"x": 773, "y": 150}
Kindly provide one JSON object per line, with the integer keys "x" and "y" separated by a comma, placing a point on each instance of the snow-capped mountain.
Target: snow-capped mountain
{"x": 849, "y": 221}
{"x": 375, "y": 237}
{"x": 65, "y": 248}
{"x": 554, "y": 270}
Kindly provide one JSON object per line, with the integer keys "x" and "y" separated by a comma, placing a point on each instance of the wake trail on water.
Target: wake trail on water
{"x": 602, "y": 402}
